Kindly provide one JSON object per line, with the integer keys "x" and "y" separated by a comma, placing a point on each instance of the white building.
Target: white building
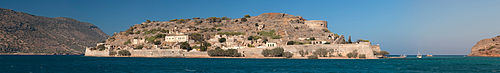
{"x": 180, "y": 38}
{"x": 271, "y": 45}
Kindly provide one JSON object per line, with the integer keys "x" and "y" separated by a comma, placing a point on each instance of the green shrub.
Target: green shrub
{"x": 269, "y": 34}
{"x": 353, "y": 54}
{"x": 225, "y": 18}
{"x": 321, "y": 52}
{"x": 294, "y": 43}
{"x": 186, "y": 46}
{"x": 491, "y": 47}
{"x": 287, "y": 54}
{"x": 244, "y": 19}
{"x": 150, "y": 39}
{"x": 247, "y": 16}
{"x": 196, "y": 37}
{"x": 112, "y": 53}
{"x": 204, "y": 46}
{"x": 362, "y": 56}
{"x": 253, "y": 37}
{"x": 127, "y": 42}
{"x": 139, "y": 47}
{"x": 326, "y": 30}
{"x": 124, "y": 53}
{"x": 222, "y": 40}
{"x": 303, "y": 53}
{"x": 214, "y": 19}
{"x": 101, "y": 47}
{"x": 250, "y": 45}
{"x": 275, "y": 52}
{"x": 224, "y": 53}
{"x": 312, "y": 57}
{"x": 230, "y": 33}
{"x": 157, "y": 42}
{"x": 218, "y": 29}
{"x": 361, "y": 40}
{"x": 173, "y": 20}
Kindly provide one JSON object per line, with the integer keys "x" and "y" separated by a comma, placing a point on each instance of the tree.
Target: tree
{"x": 157, "y": 42}
{"x": 227, "y": 53}
{"x": 321, "y": 52}
{"x": 244, "y": 20}
{"x": 138, "y": 47}
{"x": 196, "y": 37}
{"x": 148, "y": 21}
{"x": 127, "y": 42}
{"x": 349, "y": 39}
{"x": 204, "y": 46}
{"x": 112, "y": 53}
{"x": 275, "y": 52}
{"x": 302, "y": 53}
{"x": 124, "y": 53}
{"x": 186, "y": 46}
{"x": 101, "y": 47}
{"x": 287, "y": 54}
{"x": 362, "y": 56}
{"x": 222, "y": 40}
{"x": 353, "y": 54}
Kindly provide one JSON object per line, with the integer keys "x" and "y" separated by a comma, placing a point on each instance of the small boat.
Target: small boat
{"x": 428, "y": 55}
{"x": 418, "y": 54}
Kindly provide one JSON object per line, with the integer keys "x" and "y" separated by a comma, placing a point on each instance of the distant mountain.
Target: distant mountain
{"x": 25, "y": 33}
{"x": 487, "y": 47}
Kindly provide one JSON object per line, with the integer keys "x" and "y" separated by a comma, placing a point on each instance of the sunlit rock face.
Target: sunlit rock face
{"x": 487, "y": 47}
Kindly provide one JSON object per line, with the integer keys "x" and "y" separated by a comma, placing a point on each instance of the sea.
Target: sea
{"x": 84, "y": 64}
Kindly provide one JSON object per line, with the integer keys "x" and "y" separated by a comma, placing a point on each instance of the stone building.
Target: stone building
{"x": 179, "y": 38}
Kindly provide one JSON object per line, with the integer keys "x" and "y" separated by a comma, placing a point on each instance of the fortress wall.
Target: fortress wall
{"x": 157, "y": 53}
{"x": 316, "y": 24}
{"x": 343, "y": 49}
{"x": 89, "y": 52}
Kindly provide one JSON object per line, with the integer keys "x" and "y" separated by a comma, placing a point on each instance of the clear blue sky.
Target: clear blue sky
{"x": 400, "y": 26}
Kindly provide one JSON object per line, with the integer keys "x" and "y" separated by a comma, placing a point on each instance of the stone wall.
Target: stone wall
{"x": 89, "y": 52}
{"x": 344, "y": 49}
{"x": 316, "y": 24}
{"x": 362, "y": 48}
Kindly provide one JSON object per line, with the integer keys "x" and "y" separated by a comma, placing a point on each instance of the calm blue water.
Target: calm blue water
{"x": 82, "y": 64}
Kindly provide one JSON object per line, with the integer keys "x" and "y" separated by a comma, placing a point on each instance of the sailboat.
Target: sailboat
{"x": 418, "y": 54}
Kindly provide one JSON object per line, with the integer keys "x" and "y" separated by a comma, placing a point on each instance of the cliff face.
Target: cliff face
{"x": 487, "y": 47}
{"x": 24, "y": 33}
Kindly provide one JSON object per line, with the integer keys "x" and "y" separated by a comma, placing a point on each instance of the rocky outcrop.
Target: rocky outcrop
{"x": 487, "y": 47}
{"x": 25, "y": 33}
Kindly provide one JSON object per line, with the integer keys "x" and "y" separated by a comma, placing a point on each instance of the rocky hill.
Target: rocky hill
{"x": 25, "y": 33}
{"x": 278, "y": 28}
{"x": 487, "y": 47}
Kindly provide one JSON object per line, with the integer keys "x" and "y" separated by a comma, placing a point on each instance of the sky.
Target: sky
{"x": 444, "y": 27}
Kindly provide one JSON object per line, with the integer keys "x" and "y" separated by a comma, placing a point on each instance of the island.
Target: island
{"x": 268, "y": 35}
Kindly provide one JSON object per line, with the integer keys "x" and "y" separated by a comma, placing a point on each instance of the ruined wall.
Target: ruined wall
{"x": 362, "y": 48}
{"x": 89, "y": 52}
{"x": 343, "y": 49}
{"x": 316, "y": 24}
